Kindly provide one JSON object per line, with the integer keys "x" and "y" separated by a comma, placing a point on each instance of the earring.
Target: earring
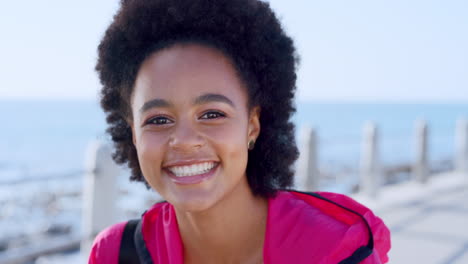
{"x": 251, "y": 144}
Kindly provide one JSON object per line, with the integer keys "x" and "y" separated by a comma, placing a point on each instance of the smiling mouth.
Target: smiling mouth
{"x": 192, "y": 170}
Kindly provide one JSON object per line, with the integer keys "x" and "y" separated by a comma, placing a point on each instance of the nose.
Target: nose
{"x": 185, "y": 137}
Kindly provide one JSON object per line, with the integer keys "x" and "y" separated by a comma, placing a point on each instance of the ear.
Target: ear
{"x": 254, "y": 123}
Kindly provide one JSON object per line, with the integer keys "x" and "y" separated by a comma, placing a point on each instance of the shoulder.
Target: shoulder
{"x": 332, "y": 208}
{"x": 379, "y": 231}
{"x": 331, "y": 225}
{"x": 106, "y": 245}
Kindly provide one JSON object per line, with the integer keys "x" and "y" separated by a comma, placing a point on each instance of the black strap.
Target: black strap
{"x": 359, "y": 255}
{"x": 133, "y": 249}
{"x": 141, "y": 249}
{"x": 127, "y": 254}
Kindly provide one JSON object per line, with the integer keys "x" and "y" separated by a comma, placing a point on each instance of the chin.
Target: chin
{"x": 193, "y": 202}
{"x": 192, "y": 207}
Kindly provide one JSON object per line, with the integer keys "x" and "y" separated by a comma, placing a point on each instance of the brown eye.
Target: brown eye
{"x": 159, "y": 120}
{"x": 212, "y": 115}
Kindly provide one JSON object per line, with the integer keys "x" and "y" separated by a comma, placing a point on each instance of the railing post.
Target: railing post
{"x": 99, "y": 193}
{"x": 421, "y": 166}
{"x": 370, "y": 172}
{"x": 307, "y": 177}
{"x": 312, "y": 175}
{"x": 461, "y": 145}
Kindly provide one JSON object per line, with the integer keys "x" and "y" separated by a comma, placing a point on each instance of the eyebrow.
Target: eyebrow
{"x": 202, "y": 99}
{"x": 154, "y": 103}
{"x": 207, "y": 98}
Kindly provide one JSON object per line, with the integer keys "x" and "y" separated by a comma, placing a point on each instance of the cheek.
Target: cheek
{"x": 150, "y": 152}
{"x": 230, "y": 141}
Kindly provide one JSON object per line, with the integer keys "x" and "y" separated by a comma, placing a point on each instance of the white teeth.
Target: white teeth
{"x": 191, "y": 170}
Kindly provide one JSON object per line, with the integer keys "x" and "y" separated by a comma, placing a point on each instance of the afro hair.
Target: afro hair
{"x": 247, "y": 32}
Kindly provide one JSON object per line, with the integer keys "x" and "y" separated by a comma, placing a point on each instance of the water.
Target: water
{"x": 40, "y": 138}
{"x": 46, "y": 137}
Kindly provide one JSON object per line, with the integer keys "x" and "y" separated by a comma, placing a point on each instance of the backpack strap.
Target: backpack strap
{"x": 362, "y": 252}
{"x": 359, "y": 255}
{"x": 133, "y": 249}
{"x": 127, "y": 252}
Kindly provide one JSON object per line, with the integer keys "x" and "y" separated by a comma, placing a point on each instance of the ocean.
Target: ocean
{"x": 43, "y": 138}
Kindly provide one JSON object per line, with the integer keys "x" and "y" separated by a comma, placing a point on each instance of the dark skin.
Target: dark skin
{"x": 190, "y": 115}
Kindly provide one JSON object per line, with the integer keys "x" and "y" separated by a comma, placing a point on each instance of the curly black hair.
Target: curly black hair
{"x": 247, "y": 32}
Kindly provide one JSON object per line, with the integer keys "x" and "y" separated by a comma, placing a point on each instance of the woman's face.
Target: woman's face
{"x": 191, "y": 126}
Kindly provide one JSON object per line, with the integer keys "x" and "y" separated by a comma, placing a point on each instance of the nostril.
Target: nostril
{"x": 186, "y": 142}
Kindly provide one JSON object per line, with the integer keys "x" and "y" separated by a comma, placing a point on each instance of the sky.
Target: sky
{"x": 360, "y": 50}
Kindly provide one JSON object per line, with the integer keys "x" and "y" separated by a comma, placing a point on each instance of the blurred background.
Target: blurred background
{"x": 393, "y": 63}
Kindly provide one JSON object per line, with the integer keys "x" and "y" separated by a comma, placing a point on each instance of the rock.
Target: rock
{"x": 58, "y": 229}
{"x": 3, "y": 245}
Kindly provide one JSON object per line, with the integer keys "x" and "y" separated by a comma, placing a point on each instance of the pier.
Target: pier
{"x": 428, "y": 222}
{"x": 426, "y": 213}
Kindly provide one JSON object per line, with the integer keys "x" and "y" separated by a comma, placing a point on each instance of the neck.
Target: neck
{"x": 231, "y": 231}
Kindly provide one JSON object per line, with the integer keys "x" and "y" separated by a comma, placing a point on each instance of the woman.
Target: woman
{"x": 198, "y": 96}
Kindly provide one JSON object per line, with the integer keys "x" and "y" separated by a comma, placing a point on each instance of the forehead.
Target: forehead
{"x": 187, "y": 70}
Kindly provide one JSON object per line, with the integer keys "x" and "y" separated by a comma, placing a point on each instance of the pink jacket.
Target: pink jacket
{"x": 300, "y": 229}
